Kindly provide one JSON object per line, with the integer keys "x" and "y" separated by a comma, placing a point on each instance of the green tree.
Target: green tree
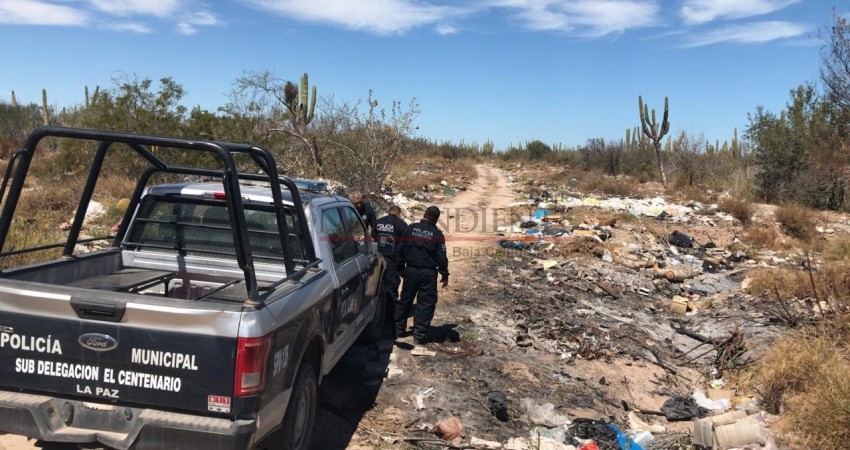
{"x": 802, "y": 153}
{"x": 16, "y": 122}
{"x": 487, "y": 149}
{"x": 835, "y": 63}
{"x": 537, "y": 150}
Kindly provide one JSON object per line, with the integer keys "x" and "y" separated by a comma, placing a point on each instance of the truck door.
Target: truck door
{"x": 348, "y": 286}
{"x": 368, "y": 259}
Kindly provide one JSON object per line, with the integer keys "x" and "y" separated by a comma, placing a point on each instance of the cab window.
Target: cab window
{"x": 340, "y": 241}
{"x": 356, "y": 229}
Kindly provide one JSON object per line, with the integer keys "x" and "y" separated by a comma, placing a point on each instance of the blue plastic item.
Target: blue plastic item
{"x": 540, "y": 214}
{"x": 623, "y": 441}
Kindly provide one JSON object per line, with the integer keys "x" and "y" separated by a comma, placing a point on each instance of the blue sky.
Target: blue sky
{"x": 561, "y": 71}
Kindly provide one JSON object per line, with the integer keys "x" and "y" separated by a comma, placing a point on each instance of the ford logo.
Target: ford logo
{"x": 98, "y": 342}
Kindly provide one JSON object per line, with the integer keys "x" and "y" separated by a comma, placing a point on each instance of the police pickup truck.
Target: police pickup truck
{"x": 206, "y": 322}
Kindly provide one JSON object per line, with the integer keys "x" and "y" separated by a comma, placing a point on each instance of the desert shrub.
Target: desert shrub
{"x": 796, "y": 221}
{"x": 739, "y": 209}
{"x": 807, "y": 378}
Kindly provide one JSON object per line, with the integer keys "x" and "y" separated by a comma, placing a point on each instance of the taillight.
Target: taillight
{"x": 219, "y": 195}
{"x": 251, "y": 357}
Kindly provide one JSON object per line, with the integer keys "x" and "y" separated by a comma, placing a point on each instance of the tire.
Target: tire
{"x": 375, "y": 329}
{"x": 297, "y": 428}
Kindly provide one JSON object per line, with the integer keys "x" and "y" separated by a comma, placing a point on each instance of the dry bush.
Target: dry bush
{"x": 739, "y": 209}
{"x": 796, "y": 221}
{"x": 765, "y": 237}
{"x": 609, "y": 185}
{"x": 807, "y": 378}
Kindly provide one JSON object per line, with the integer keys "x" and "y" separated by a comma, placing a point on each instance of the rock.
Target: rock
{"x": 481, "y": 443}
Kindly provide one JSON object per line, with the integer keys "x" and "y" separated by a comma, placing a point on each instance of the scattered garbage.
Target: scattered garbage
{"x": 599, "y": 432}
{"x": 497, "y": 402}
{"x": 720, "y": 405}
{"x": 679, "y": 407}
{"x": 732, "y": 430}
{"x": 542, "y": 414}
{"x": 421, "y": 396}
{"x": 420, "y": 350}
{"x": 681, "y": 305}
{"x": 680, "y": 239}
{"x": 675, "y": 273}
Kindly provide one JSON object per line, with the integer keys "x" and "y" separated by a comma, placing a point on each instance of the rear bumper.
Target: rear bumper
{"x": 60, "y": 420}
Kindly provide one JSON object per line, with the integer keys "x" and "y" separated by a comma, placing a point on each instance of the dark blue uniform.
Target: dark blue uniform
{"x": 422, "y": 254}
{"x": 390, "y": 230}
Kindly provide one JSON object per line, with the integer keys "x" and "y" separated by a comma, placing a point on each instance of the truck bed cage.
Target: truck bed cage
{"x": 142, "y": 144}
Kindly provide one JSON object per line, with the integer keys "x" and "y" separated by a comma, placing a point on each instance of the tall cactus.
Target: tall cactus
{"x": 45, "y": 114}
{"x": 301, "y": 104}
{"x": 652, "y": 131}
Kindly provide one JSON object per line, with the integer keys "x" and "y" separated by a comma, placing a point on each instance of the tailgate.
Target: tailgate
{"x": 167, "y": 357}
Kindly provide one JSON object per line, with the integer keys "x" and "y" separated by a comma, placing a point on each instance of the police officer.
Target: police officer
{"x": 390, "y": 229}
{"x": 366, "y": 211}
{"x": 422, "y": 254}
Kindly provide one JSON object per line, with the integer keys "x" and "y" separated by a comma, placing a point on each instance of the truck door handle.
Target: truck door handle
{"x": 344, "y": 291}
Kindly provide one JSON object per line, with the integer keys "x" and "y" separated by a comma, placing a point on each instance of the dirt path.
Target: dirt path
{"x": 469, "y": 221}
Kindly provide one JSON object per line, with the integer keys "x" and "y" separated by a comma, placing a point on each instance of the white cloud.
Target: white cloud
{"x": 159, "y": 8}
{"x": 378, "y": 16}
{"x": 591, "y": 18}
{"x": 134, "y": 27}
{"x": 189, "y": 25}
{"x": 702, "y": 11}
{"x": 444, "y": 29}
{"x": 750, "y": 33}
{"x": 34, "y": 12}
{"x": 186, "y": 29}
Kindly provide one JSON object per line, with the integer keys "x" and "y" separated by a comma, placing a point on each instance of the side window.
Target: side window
{"x": 355, "y": 227}
{"x": 341, "y": 245}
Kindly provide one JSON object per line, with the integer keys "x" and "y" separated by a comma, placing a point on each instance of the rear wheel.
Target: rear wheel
{"x": 297, "y": 426}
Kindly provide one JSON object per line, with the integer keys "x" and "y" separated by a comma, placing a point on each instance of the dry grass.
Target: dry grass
{"x": 739, "y": 209}
{"x": 807, "y": 378}
{"x": 604, "y": 184}
{"x": 763, "y": 237}
{"x": 831, "y": 283}
{"x": 837, "y": 249}
{"x": 797, "y": 221}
